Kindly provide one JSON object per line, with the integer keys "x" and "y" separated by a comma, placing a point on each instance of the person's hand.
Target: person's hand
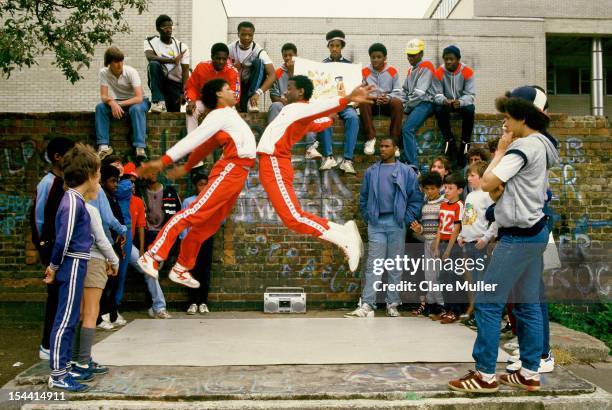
{"x": 497, "y": 192}
{"x": 505, "y": 141}
{"x": 290, "y": 64}
{"x": 460, "y": 241}
{"x": 49, "y": 276}
{"x": 416, "y": 227}
{"x": 383, "y": 99}
{"x": 446, "y": 254}
{"x": 112, "y": 270}
{"x": 191, "y": 106}
{"x": 361, "y": 94}
{"x": 237, "y": 65}
{"x": 178, "y": 58}
{"x": 455, "y": 104}
{"x": 141, "y": 251}
{"x": 149, "y": 168}
{"x": 480, "y": 244}
{"x": 254, "y": 99}
{"x": 284, "y": 101}
{"x": 446, "y": 102}
{"x": 176, "y": 172}
{"x": 116, "y": 109}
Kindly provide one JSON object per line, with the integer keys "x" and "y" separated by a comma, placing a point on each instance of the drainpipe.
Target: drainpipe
{"x": 597, "y": 91}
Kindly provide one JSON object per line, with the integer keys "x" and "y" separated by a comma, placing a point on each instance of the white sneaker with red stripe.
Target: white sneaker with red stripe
{"x": 180, "y": 274}
{"x": 348, "y": 239}
{"x": 149, "y": 265}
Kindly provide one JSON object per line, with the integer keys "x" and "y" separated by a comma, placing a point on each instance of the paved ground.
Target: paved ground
{"x": 396, "y": 385}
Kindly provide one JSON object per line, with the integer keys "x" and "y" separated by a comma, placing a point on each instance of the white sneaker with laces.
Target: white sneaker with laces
{"x": 513, "y": 345}
{"x": 370, "y": 147}
{"x": 120, "y": 321}
{"x": 328, "y": 163}
{"x": 182, "y": 276}
{"x": 159, "y": 106}
{"x": 193, "y": 309}
{"x": 163, "y": 314}
{"x": 392, "y": 310}
{"x": 104, "y": 325}
{"x": 513, "y": 359}
{"x": 203, "y": 309}
{"x": 348, "y": 239}
{"x": 43, "y": 353}
{"x": 347, "y": 166}
{"x": 312, "y": 152}
{"x": 104, "y": 151}
{"x": 149, "y": 265}
{"x": 364, "y": 311}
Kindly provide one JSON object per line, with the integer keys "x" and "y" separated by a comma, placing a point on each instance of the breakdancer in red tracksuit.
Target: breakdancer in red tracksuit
{"x": 224, "y": 127}
{"x": 276, "y": 173}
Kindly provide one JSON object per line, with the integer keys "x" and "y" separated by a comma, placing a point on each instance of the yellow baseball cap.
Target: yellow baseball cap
{"x": 415, "y": 46}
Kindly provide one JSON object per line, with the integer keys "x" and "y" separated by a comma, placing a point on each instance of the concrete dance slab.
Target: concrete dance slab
{"x": 232, "y": 342}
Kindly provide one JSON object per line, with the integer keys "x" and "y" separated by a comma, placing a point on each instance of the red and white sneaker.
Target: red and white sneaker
{"x": 181, "y": 275}
{"x": 473, "y": 383}
{"x": 149, "y": 265}
{"x": 520, "y": 381}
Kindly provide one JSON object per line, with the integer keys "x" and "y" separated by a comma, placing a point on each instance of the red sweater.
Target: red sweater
{"x": 204, "y": 72}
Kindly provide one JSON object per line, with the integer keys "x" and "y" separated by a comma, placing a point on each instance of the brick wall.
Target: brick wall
{"x": 253, "y": 250}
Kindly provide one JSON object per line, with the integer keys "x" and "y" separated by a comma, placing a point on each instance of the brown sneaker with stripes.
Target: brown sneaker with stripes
{"x": 518, "y": 380}
{"x": 472, "y": 383}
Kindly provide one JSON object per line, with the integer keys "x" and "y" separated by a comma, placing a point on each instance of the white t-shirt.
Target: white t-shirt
{"x": 238, "y": 54}
{"x": 122, "y": 87}
{"x": 169, "y": 51}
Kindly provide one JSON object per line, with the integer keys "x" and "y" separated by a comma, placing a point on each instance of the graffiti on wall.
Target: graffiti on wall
{"x": 13, "y": 211}
{"x": 16, "y": 157}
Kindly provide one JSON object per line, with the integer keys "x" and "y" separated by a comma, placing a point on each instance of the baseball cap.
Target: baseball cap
{"x": 130, "y": 169}
{"x": 532, "y": 94}
{"x": 415, "y": 46}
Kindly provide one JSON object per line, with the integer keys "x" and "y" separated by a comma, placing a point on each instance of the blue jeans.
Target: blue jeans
{"x": 138, "y": 118}
{"x": 157, "y": 296}
{"x": 123, "y": 264}
{"x": 516, "y": 266}
{"x": 257, "y": 76}
{"x": 416, "y": 118}
{"x": 351, "y": 129}
{"x": 385, "y": 240}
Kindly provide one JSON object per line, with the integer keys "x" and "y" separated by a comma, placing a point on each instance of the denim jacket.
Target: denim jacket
{"x": 408, "y": 198}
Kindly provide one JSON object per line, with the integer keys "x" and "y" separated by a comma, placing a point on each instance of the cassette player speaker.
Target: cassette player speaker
{"x": 284, "y": 300}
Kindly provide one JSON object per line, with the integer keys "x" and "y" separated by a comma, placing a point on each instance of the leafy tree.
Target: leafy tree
{"x": 69, "y": 28}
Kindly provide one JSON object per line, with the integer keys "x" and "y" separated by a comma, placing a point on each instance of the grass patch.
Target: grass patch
{"x": 592, "y": 319}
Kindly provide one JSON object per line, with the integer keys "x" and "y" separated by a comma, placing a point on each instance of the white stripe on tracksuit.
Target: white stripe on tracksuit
{"x": 66, "y": 318}
{"x": 279, "y": 181}
{"x": 191, "y": 210}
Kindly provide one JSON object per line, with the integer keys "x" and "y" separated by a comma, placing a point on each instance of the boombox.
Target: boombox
{"x": 284, "y": 300}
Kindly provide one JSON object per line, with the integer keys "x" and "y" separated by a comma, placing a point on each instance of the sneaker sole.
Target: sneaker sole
{"x": 353, "y": 226}
{"x": 482, "y": 390}
{"x": 175, "y": 279}
{"x": 56, "y": 388}
{"x": 520, "y": 386}
{"x": 105, "y": 154}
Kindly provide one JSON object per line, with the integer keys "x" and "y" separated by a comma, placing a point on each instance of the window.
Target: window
{"x": 569, "y": 80}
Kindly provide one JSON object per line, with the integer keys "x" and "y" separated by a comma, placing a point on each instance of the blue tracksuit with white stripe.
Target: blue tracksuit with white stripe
{"x": 69, "y": 260}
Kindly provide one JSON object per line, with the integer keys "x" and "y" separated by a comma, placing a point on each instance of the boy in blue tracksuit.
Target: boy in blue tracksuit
{"x": 389, "y": 201}
{"x": 68, "y": 265}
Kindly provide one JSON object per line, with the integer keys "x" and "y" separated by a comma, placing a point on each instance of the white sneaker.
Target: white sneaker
{"x": 328, "y": 163}
{"x": 347, "y": 238}
{"x": 511, "y": 345}
{"x": 546, "y": 365}
{"x": 363, "y": 311}
{"x": 193, "y": 309}
{"x": 513, "y": 359}
{"x": 252, "y": 108}
{"x": 141, "y": 152}
{"x": 181, "y": 275}
{"x": 370, "y": 147}
{"x": 516, "y": 352}
{"x": 392, "y": 310}
{"x": 203, "y": 309}
{"x": 120, "y": 321}
{"x": 149, "y": 265}
{"x": 163, "y": 314}
{"x": 104, "y": 325}
{"x": 312, "y": 152}
{"x": 159, "y": 106}
{"x": 104, "y": 151}
{"x": 347, "y": 166}
{"x": 43, "y": 353}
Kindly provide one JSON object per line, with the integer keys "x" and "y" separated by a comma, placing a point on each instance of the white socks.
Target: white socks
{"x": 487, "y": 377}
{"x": 529, "y": 374}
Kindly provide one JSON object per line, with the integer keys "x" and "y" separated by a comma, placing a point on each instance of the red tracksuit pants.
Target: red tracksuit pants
{"x": 276, "y": 176}
{"x": 204, "y": 215}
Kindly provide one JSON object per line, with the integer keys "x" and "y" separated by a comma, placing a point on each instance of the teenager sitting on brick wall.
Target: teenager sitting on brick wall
{"x": 120, "y": 90}
{"x": 219, "y": 66}
{"x": 254, "y": 65}
{"x": 168, "y": 68}
{"x": 456, "y": 95}
{"x": 388, "y": 94}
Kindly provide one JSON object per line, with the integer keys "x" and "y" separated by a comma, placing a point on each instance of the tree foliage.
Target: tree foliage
{"x": 69, "y": 28}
